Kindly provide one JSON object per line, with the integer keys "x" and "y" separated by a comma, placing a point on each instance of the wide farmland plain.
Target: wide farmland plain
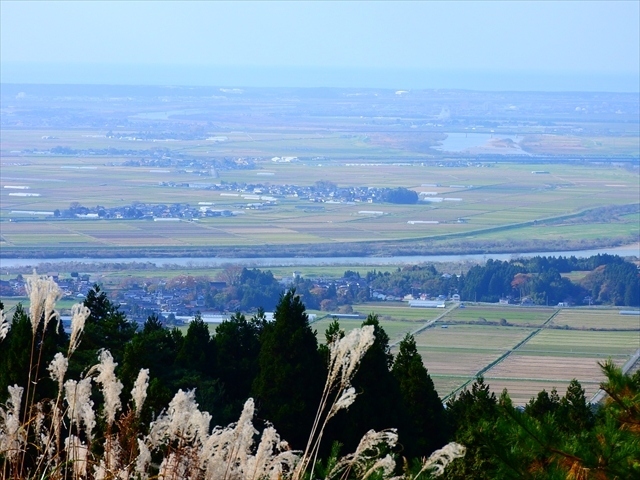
{"x": 522, "y": 349}
{"x": 500, "y": 204}
{"x": 496, "y": 172}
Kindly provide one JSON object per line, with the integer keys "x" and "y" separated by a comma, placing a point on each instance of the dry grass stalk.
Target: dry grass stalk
{"x": 438, "y": 460}
{"x": 345, "y": 356}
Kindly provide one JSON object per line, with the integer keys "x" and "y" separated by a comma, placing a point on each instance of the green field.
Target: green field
{"x": 583, "y": 342}
{"x": 63, "y": 306}
{"x": 595, "y": 319}
{"x": 396, "y": 329}
{"x": 515, "y": 315}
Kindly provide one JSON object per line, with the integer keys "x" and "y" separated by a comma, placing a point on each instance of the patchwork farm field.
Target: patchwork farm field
{"x": 529, "y": 355}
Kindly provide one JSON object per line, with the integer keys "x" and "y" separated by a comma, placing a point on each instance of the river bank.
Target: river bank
{"x": 632, "y": 250}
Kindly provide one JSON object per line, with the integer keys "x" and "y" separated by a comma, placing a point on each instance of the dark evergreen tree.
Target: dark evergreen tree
{"x": 378, "y": 405}
{"x": 107, "y": 327}
{"x": 424, "y": 427}
{"x": 237, "y": 343}
{"x": 197, "y": 351}
{"x": 543, "y": 404}
{"x": 155, "y": 348}
{"x": 574, "y": 411}
{"x": 291, "y": 372}
{"x": 15, "y": 354}
{"x": 471, "y": 415}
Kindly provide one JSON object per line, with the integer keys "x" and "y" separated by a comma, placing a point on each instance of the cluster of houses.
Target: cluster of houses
{"x": 77, "y": 285}
{"x": 139, "y": 300}
{"x": 249, "y": 196}
{"x": 145, "y": 211}
{"x": 321, "y": 192}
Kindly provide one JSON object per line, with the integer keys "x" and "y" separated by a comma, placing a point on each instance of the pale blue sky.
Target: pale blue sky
{"x": 561, "y": 39}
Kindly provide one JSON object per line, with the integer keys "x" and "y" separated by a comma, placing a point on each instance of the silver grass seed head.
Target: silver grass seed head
{"x": 15, "y": 399}
{"x": 182, "y": 421}
{"x": 78, "y": 398}
{"x": 139, "y": 391}
{"x": 259, "y": 464}
{"x": 346, "y": 354}
{"x": 58, "y": 369}
{"x": 111, "y": 386}
{"x": 43, "y": 294}
{"x": 439, "y": 459}
{"x": 4, "y": 325}
{"x": 345, "y": 400}
{"x": 387, "y": 464}
{"x": 372, "y": 439}
{"x": 143, "y": 460}
{"x": 77, "y": 453}
{"x": 368, "y": 449}
{"x": 12, "y": 435}
{"x": 79, "y": 315}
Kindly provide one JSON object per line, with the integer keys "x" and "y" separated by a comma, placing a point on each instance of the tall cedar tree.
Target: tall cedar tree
{"x": 378, "y": 405}
{"x": 196, "y": 362}
{"x": 291, "y": 371}
{"x": 106, "y": 328}
{"x": 237, "y": 349}
{"x": 197, "y": 351}
{"x": 424, "y": 426}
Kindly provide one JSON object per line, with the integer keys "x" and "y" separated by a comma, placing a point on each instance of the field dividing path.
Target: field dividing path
{"x": 504, "y": 356}
{"x": 428, "y": 324}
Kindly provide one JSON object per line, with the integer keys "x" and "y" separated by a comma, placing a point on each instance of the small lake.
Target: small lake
{"x": 199, "y": 262}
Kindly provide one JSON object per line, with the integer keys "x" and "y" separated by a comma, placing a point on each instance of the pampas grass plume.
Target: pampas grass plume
{"x": 139, "y": 390}
{"x": 43, "y": 294}
{"x": 12, "y": 435}
{"x": 58, "y": 368}
{"x": 4, "y": 325}
{"x": 111, "y": 386}
{"x": 438, "y": 460}
{"x": 79, "y": 315}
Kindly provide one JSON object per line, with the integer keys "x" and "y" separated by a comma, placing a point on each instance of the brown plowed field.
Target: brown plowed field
{"x": 456, "y": 363}
{"x": 529, "y": 367}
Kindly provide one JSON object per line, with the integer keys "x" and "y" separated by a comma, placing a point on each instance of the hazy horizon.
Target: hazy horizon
{"x": 316, "y": 77}
{"x": 494, "y": 46}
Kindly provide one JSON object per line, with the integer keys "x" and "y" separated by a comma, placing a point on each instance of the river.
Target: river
{"x": 200, "y": 262}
